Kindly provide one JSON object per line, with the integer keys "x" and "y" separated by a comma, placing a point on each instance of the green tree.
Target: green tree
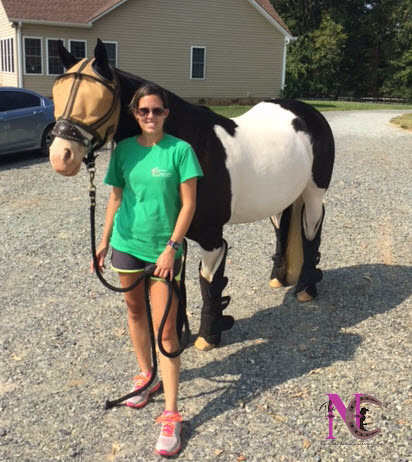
{"x": 328, "y": 43}
{"x": 348, "y": 48}
{"x": 314, "y": 61}
{"x": 301, "y": 16}
{"x": 398, "y": 76}
{"x": 355, "y": 69}
{"x": 399, "y": 85}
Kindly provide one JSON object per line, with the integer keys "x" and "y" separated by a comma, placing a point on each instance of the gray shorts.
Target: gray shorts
{"x": 126, "y": 263}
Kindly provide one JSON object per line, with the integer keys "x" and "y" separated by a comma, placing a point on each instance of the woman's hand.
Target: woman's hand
{"x": 164, "y": 264}
{"x": 101, "y": 253}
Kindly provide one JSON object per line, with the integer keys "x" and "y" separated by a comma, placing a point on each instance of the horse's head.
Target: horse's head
{"x": 87, "y": 106}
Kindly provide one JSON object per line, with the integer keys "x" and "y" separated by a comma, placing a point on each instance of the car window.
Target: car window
{"x": 10, "y": 100}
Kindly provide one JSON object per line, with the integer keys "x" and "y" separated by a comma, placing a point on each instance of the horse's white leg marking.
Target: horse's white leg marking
{"x": 312, "y": 197}
{"x": 210, "y": 262}
{"x": 276, "y": 219}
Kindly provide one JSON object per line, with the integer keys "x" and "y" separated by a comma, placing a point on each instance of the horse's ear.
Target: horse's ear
{"x": 102, "y": 60}
{"x": 67, "y": 59}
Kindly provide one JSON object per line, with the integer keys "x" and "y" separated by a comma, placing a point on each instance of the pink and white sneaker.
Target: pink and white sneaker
{"x": 142, "y": 398}
{"x": 168, "y": 443}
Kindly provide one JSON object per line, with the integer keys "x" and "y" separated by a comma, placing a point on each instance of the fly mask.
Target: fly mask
{"x": 82, "y": 98}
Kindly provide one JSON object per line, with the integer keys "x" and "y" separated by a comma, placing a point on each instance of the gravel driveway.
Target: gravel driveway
{"x": 65, "y": 347}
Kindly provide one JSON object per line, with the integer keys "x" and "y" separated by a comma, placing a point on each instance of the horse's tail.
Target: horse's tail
{"x": 294, "y": 252}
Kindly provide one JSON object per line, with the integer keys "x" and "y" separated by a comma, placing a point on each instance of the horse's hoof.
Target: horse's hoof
{"x": 202, "y": 345}
{"x": 304, "y": 296}
{"x": 275, "y": 283}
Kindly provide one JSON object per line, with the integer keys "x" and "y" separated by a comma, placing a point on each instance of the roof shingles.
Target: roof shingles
{"x": 83, "y": 11}
{"x": 73, "y": 11}
{"x": 268, "y": 7}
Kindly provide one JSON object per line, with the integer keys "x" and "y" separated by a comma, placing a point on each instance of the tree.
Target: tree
{"x": 314, "y": 61}
{"x": 350, "y": 48}
{"x": 301, "y": 16}
{"x": 398, "y": 77}
{"x": 328, "y": 42}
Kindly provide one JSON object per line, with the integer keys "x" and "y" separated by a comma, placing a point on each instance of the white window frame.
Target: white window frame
{"x": 117, "y": 48}
{"x": 191, "y": 63}
{"x": 2, "y": 55}
{"x": 41, "y": 54}
{"x": 78, "y": 40}
{"x": 7, "y": 57}
{"x": 47, "y": 54}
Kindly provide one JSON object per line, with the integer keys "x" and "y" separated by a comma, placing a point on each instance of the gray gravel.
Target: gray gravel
{"x": 65, "y": 347}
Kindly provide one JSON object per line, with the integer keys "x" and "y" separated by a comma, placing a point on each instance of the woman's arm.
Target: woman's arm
{"x": 113, "y": 204}
{"x": 164, "y": 264}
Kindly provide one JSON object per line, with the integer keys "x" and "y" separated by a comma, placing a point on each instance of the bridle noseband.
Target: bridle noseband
{"x": 68, "y": 131}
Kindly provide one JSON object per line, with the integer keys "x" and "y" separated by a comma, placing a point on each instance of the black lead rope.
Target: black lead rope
{"x": 147, "y": 272}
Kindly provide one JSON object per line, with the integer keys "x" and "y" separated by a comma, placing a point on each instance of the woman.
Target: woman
{"x": 151, "y": 205}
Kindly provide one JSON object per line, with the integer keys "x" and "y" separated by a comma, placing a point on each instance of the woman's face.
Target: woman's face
{"x": 151, "y": 114}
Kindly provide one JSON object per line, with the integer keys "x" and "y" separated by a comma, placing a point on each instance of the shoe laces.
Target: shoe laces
{"x": 168, "y": 422}
{"x": 141, "y": 380}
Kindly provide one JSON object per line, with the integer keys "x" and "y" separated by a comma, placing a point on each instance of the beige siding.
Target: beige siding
{"x": 244, "y": 51}
{"x": 43, "y": 83}
{"x": 8, "y": 79}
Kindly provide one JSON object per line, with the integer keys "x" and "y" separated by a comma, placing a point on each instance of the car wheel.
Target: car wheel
{"x": 47, "y": 140}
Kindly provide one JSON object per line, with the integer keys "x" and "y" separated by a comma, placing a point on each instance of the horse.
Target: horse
{"x": 274, "y": 161}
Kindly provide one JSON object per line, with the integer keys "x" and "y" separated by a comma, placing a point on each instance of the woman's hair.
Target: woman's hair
{"x": 145, "y": 90}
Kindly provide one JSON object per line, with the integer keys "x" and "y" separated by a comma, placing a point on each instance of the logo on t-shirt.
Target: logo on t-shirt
{"x": 160, "y": 172}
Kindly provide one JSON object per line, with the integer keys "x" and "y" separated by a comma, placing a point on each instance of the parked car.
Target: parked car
{"x": 26, "y": 121}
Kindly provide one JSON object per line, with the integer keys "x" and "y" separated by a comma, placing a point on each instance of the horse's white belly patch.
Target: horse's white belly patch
{"x": 269, "y": 163}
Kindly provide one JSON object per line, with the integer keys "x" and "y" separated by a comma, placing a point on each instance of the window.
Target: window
{"x": 7, "y": 54}
{"x": 78, "y": 48}
{"x": 198, "y": 63}
{"x": 111, "y": 48}
{"x": 11, "y": 100}
{"x": 32, "y": 55}
{"x": 54, "y": 66}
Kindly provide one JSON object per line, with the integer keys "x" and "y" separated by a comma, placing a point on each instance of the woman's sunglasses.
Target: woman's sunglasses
{"x": 145, "y": 111}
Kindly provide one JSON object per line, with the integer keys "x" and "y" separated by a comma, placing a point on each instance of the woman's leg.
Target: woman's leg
{"x": 137, "y": 320}
{"x": 170, "y": 367}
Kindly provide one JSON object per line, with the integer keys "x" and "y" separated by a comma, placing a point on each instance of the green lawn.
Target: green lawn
{"x": 322, "y": 106}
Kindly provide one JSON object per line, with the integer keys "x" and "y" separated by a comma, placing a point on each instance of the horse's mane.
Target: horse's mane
{"x": 181, "y": 109}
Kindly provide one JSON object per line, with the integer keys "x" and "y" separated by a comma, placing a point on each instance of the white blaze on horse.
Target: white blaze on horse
{"x": 274, "y": 161}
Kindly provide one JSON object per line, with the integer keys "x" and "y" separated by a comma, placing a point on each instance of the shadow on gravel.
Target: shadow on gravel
{"x": 22, "y": 160}
{"x": 292, "y": 339}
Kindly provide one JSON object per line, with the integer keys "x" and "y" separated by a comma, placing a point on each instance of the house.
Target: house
{"x": 201, "y": 50}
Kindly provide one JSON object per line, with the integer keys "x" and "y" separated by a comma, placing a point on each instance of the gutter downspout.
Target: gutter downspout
{"x": 285, "y": 45}
{"x": 19, "y": 56}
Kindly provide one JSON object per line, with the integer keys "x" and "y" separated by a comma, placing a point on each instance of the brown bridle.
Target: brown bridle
{"x": 82, "y": 98}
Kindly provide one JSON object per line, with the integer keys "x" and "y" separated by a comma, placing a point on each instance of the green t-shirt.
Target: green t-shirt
{"x": 150, "y": 179}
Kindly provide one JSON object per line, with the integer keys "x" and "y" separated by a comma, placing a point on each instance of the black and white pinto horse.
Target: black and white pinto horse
{"x": 274, "y": 161}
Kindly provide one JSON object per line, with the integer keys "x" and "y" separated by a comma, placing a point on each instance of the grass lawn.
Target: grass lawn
{"x": 404, "y": 121}
{"x": 322, "y": 106}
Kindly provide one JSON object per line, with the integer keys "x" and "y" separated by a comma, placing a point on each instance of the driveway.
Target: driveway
{"x": 65, "y": 347}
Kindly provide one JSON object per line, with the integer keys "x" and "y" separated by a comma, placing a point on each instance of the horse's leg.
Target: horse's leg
{"x": 212, "y": 283}
{"x": 312, "y": 217}
{"x": 281, "y": 224}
